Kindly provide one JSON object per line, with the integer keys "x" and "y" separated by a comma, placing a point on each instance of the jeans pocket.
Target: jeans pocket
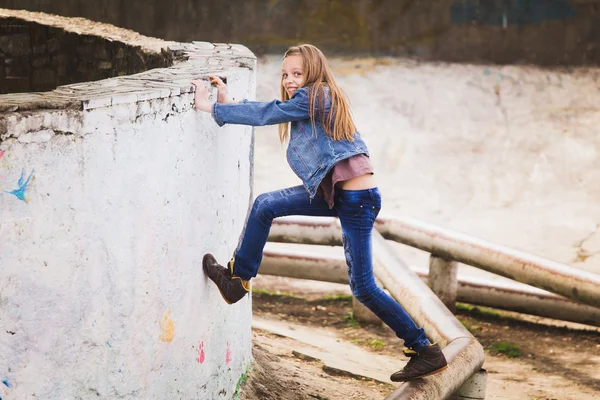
{"x": 349, "y": 208}
{"x": 371, "y": 208}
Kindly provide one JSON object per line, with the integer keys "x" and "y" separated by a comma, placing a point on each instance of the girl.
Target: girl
{"x": 328, "y": 154}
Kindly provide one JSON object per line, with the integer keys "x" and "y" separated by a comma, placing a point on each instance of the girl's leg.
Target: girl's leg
{"x": 357, "y": 210}
{"x": 291, "y": 201}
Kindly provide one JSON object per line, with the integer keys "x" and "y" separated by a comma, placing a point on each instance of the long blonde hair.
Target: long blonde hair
{"x": 338, "y": 123}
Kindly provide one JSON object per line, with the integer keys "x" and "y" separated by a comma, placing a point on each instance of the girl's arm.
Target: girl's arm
{"x": 256, "y": 113}
{"x": 253, "y": 113}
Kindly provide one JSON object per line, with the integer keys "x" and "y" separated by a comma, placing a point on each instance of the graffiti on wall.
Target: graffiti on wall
{"x": 200, "y": 358}
{"x": 168, "y": 328}
{"x": 228, "y": 354}
{"x": 6, "y": 384}
{"x": 510, "y": 12}
{"x": 23, "y": 184}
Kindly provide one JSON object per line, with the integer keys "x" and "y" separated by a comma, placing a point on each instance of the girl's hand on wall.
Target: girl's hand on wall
{"x": 201, "y": 96}
{"x": 221, "y": 88}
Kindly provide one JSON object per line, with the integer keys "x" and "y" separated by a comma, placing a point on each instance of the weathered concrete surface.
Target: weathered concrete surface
{"x": 333, "y": 351}
{"x": 105, "y": 212}
{"x": 509, "y": 154}
{"x": 558, "y": 32}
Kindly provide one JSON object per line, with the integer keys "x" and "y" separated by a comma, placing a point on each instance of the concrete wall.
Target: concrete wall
{"x": 109, "y": 200}
{"x": 548, "y": 32}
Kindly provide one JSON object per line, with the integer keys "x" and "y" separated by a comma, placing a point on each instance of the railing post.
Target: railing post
{"x": 474, "y": 388}
{"x": 443, "y": 280}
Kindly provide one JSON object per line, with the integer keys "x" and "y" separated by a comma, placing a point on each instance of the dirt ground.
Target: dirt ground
{"x": 278, "y": 374}
{"x": 545, "y": 359}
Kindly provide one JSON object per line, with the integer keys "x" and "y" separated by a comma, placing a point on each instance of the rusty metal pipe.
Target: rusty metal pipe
{"x": 306, "y": 230}
{"x": 303, "y": 265}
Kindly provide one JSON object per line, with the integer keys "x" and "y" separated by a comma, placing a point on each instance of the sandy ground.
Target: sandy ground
{"x": 508, "y": 154}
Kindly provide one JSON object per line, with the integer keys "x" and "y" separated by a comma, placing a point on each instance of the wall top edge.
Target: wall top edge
{"x": 191, "y": 61}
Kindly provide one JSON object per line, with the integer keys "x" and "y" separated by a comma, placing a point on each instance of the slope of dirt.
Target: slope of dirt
{"x": 278, "y": 374}
{"x": 553, "y": 361}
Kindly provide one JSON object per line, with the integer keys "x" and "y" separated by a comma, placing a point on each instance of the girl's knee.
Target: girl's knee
{"x": 262, "y": 208}
{"x": 364, "y": 293}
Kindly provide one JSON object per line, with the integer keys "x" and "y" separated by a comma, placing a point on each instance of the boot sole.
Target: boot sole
{"x": 223, "y": 296}
{"x": 226, "y": 301}
{"x": 221, "y": 293}
{"x": 423, "y": 376}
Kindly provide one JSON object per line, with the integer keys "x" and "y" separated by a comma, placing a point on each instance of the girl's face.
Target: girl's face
{"x": 292, "y": 75}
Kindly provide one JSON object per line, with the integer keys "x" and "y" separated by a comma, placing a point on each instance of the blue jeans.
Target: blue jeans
{"x": 357, "y": 210}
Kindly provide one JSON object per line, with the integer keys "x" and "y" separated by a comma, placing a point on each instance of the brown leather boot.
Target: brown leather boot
{"x": 430, "y": 360}
{"x": 231, "y": 287}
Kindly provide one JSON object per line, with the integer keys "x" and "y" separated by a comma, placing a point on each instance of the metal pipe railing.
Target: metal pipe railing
{"x": 552, "y": 276}
{"x": 464, "y": 353}
{"x": 561, "y": 279}
{"x": 295, "y": 262}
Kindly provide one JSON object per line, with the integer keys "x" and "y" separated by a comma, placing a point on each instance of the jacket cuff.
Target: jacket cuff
{"x": 215, "y": 115}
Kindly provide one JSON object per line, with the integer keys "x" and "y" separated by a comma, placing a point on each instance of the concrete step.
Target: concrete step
{"x": 339, "y": 357}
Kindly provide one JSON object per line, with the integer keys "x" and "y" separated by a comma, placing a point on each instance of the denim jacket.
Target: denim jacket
{"x": 311, "y": 155}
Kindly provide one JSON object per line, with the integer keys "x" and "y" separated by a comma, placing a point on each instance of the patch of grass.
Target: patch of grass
{"x": 357, "y": 341}
{"x": 351, "y": 320}
{"x": 510, "y": 349}
{"x": 488, "y": 312}
{"x": 240, "y": 382}
{"x": 470, "y": 327}
{"x": 265, "y": 292}
{"x": 464, "y": 307}
{"x": 483, "y": 311}
{"x": 466, "y": 324}
{"x": 377, "y": 344}
{"x": 344, "y": 298}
